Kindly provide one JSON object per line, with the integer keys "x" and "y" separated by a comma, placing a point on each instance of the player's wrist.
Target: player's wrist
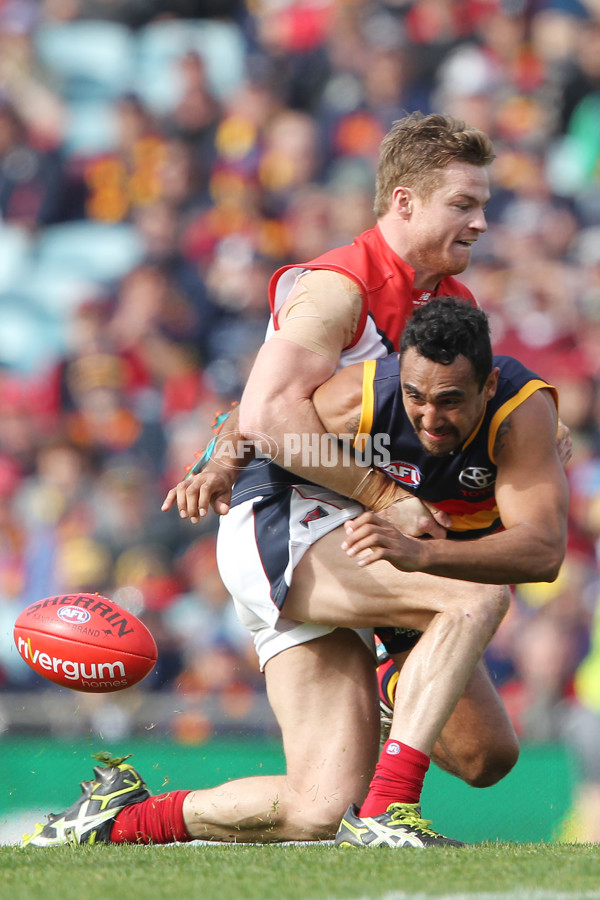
{"x": 376, "y": 491}
{"x": 223, "y": 472}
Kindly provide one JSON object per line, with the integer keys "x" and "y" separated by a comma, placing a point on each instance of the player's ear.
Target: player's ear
{"x": 402, "y": 202}
{"x": 491, "y": 385}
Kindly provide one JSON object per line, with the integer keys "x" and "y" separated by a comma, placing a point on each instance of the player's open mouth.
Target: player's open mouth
{"x": 436, "y": 438}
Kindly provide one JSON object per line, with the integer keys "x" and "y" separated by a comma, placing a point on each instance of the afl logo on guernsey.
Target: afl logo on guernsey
{"x": 403, "y": 472}
{"x": 476, "y": 477}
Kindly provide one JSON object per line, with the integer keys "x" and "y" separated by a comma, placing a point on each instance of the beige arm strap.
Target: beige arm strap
{"x": 322, "y": 313}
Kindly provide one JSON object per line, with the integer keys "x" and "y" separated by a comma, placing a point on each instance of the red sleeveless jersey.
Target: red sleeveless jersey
{"x": 386, "y": 283}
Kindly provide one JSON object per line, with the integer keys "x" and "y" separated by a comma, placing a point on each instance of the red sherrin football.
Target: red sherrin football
{"x": 85, "y": 642}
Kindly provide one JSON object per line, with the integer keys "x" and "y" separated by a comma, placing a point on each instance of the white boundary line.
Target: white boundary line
{"x": 521, "y": 894}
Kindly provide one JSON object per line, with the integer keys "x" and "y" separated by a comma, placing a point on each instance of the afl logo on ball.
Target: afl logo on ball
{"x": 73, "y": 614}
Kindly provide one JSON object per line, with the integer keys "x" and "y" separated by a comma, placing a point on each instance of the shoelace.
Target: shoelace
{"x": 410, "y": 814}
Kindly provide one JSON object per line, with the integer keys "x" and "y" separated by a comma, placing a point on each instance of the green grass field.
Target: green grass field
{"x": 528, "y": 809}
{"x": 40, "y": 775}
{"x": 311, "y": 872}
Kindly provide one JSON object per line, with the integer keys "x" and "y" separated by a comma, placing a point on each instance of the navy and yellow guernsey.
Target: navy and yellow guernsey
{"x": 462, "y": 483}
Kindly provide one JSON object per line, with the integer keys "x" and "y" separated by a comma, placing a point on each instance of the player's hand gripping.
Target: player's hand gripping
{"x": 196, "y": 494}
{"x": 564, "y": 443}
{"x": 414, "y": 517}
{"x": 370, "y": 538}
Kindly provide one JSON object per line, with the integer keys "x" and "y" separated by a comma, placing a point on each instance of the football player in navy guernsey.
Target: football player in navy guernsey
{"x": 469, "y": 433}
{"x": 475, "y": 436}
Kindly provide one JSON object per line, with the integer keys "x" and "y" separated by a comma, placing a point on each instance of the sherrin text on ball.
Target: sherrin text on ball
{"x": 85, "y": 642}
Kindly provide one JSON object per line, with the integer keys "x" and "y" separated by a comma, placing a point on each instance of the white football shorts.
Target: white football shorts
{"x": 259, "y": 544}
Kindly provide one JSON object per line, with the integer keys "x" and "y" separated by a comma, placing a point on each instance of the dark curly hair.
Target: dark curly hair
{"x": 447, "y": 327}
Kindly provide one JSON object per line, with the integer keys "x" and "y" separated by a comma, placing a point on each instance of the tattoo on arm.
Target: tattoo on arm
{"x": 352, "y": 424}
{"x": 503, "y": 430}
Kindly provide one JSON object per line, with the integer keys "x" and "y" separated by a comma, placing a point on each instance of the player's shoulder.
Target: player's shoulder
{"x": 386, "y": 367}
{"x": 330, "y": 278}
{"x": 513, "y": 371}
{"x": 522, "y": 395}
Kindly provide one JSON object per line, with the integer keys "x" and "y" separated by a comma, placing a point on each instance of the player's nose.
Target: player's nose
{"x": 478, "y": 220}
{"x": 431, "y": 419}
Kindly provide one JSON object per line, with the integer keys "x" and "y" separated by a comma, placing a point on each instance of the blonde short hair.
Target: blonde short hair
{"x": 417, "y": 147}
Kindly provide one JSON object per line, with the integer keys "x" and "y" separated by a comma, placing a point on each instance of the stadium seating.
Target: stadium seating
{"x": 15, "y": 249}
{"x": 90, "y": 128}
{"x": 160, "y": 44}
{"x": 29, "y": 339}
{"x": 88, "y": 60}
{"x": 89, "y": 250}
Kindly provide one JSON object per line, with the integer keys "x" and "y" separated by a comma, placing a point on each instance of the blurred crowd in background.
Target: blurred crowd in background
{"x": 158, "y": 161}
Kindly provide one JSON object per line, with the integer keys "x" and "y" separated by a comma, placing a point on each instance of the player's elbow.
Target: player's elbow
{"x": 548, "y": 561}
{"x": 551, "y": 573}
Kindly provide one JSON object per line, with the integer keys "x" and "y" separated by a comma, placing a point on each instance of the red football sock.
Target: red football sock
{"x": 158, "y": 820}
{"x": 398, "y": 778}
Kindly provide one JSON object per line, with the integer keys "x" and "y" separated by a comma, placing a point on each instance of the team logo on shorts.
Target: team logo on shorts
{"x": 317, "y": 513}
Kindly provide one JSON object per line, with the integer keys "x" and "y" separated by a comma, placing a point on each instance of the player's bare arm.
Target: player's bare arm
{"x": 315, "y": 324}
{"x": 532, "y": 497}
{"x": 304, "y": 353}
{"x": 323, "y": 330}
{"x": 281, "y": 408}
{"x": 213, "y": 485}
{"x": 338, "y": 404}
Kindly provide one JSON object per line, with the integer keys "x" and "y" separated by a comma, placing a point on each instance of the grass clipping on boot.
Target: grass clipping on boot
{"x": 107, "y": 759}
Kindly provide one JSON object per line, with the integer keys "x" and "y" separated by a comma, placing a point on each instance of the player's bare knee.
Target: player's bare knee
{"x": 319, "y": 821}
{"x": 485, "y": 607}
{"x": 497, "y": 603}
{"x": 489, "y": 768}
